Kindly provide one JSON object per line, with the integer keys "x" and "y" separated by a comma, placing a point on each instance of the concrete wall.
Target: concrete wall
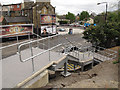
{"x": 41, "y": 81}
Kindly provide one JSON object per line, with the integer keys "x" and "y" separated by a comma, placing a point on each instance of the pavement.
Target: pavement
{"x": 14, "y": 71}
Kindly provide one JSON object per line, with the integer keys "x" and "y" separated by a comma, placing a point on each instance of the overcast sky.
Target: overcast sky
{"x": 76, "y": 6}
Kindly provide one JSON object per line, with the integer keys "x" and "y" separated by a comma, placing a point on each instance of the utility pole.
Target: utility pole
{"x": 36, "y": 18}
{"x": 106, "y": 10}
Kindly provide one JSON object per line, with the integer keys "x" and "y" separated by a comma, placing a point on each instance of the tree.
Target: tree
{"x": 100, "y": 19}
{"x": 71, "y": 17}
{"x": 105, "y": 35}
{"x": 84, "y": 15}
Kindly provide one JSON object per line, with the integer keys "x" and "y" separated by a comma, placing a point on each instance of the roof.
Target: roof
{"x": 11, "y": 4}
{"x": 42, "y": 4}
{"x": 62, "y": 16}
{"x": 16, "y": 19}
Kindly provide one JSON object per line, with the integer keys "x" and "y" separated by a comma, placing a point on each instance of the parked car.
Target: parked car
{"x": 62, "y": 30}
{"x": 81, "y": 25}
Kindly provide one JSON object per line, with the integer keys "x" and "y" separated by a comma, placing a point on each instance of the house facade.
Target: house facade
{"x": 90, "y": 21}
{"x": 42, "y": 8}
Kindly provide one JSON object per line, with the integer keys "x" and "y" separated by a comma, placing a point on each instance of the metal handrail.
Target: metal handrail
{"x": 32, "y": 57}
{"x": 18, "y": 42}
{"x": 14, "y": 44}
{"x": 29, "y": 43}
{"x": 38, "y": 40}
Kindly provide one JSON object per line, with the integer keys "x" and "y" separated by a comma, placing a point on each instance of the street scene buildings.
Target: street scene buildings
{"x": 56, "y": 44}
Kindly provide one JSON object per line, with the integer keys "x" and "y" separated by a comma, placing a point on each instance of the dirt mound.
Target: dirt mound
{"x": 104, "y": 75}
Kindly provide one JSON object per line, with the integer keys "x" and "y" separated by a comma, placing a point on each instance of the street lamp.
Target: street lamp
{"x": 37, "y": 18}
{"x": 106, "y": 10}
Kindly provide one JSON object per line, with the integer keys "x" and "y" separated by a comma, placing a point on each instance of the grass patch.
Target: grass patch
{"x": 115, "y": 62}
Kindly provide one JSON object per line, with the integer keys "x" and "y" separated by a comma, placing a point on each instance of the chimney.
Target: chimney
{"x": 42, "y": 0}
{"x": 28, "y": 1}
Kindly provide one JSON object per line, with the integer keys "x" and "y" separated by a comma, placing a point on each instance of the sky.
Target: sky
{"x": 76, "y": 6}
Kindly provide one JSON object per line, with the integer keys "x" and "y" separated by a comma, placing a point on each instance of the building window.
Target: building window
{"x": 18, "y": 6}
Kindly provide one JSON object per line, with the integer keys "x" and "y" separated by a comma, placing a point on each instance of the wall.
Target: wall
{"x": 42, "y": 81}
{"x": 17, "y": 23}
{"x": 45, "y": 8}
{"x": 16, "y": 8}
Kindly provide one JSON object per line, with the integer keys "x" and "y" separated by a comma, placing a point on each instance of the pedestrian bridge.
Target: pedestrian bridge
{"x": 28, "y": 67}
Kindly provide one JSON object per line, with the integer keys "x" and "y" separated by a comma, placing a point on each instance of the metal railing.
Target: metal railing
{"x": 18, "y": 42}
{"x": 89, "y": 52}
{"x": 17, "y": 36}
{"x": 38, "y": 54}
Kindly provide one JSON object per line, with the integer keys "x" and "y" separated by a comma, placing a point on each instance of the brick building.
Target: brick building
{"x": 41, "y": 7}
{"x": 30, "y": 10}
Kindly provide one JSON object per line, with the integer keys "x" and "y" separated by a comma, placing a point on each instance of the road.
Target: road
{"x": 76, "y": 30}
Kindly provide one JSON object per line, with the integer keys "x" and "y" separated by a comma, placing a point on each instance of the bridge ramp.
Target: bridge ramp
{"x": 15, "y": 71}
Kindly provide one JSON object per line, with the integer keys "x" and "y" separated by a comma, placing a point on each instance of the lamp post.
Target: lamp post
{"x": 37, "y": 18}
{"x": 106, "y": 10}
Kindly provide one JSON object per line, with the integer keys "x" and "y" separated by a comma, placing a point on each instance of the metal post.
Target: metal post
{"x": 73, "y": 52}
{"x": 32, "y": 58}
{"x": 106, "y": 13}
{"x": 59, "y": 51}
{"x": 17, "y": 42}
{"x": 29, "y": 38}
{"x": 43, "y": 44}
{"x": 58, "y": 40}
{"x": 82, "y": 67}
{"x": 83, "y": 55}
{"x": 37, "y": 41}
{"x": 49, "y": 43}
{"x": 65, "y": 72}
{"x": 49, "y": 55}
{"x": 79, "y": 55}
